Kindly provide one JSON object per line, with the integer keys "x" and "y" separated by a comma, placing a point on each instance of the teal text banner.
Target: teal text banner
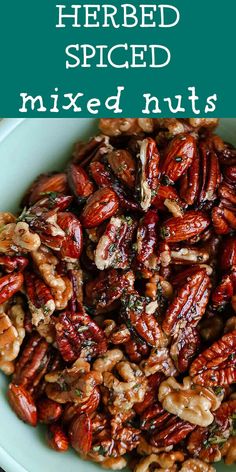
{"x": 62, "y": 58}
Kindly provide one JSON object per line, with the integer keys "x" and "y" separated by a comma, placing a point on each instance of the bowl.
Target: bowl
{"x": 27, "y": 148}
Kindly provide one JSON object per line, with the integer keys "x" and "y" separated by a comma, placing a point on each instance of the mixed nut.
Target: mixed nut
{"x": 118, "y": 298}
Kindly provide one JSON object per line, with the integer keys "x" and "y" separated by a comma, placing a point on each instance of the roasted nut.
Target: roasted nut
{"x": 80, "y": 434}
{"x": 228, "y": 254}
{"x": 57, "y": 438}
{"x": 9, "y": 264}
{"x": 159, "y": 361}
{"x": 45, "y": 184}
{"x": 148, "y": 171}
{"x": 195, "y": 465}
{"x": 229, "y": 451}
{"x": 114, "y": 247}
{"x": 32, "y": 363}
{"x": 147, "y": 236}
{"x": 75, "y": 385}
{"x": 100, "y": 206}
{"x": 77, "y": 335}
{"x": 72, "y": 244}
{"x": 208, "y": 443}
{"x": 117, "y": 126}
{"x": 162, "y": 462}
{"x": 189, "y": 304}
{"x": 108, "y": 361}
{"x": 60, "y": 286}
{"x": 16, "y": 238}
{"x": 48, "y": 411}
{"x": 136, "y": 349}
{"x": 22, "y": 403}
{"x": 12, "y": 334}
{"x": 126, "y": 392}
{"x": 190, "y": 404}
{"x": 123, "y": 165}
{"x": 104, "y": 291}
{"x": 9, "y": 285}
{"x": 79, "y": 182}
{"x": 41, "y": 303}
{"x": 216, "y": 365}
{"x": 178, "y": 158}
{"x": 192, "y": 223}
{"x": 138, "y": 315}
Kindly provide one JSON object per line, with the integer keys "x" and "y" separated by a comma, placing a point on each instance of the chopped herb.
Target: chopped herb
{"x": 46, "y": 309}
{"x": 51, "y": 195}
{"x": 164, "y": 232}
{"x": 217, "y": 440}
{"x": 79, "y": 393}
{"x": 166, "y": 181}
{"x": 100, "y": 449}
{"x": 81, "y": 329}
{"x": 219, "y": 391}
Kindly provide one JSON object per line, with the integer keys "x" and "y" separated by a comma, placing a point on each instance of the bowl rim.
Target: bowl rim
{"x": 8, "y": 463}
{"x": 7, "y": 125}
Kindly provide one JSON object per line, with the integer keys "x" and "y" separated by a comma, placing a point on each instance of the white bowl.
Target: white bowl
{"x": 27, "y": 148}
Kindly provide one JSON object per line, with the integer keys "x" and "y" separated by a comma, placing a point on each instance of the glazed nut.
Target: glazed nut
{"x": 22, "y": 403}
{"x": 100, "y": 206}
{"x": 24, "y": 238}
{"x": 190, "y": 404}
{"x": 191, "y": 224}
{"x": 216, "y": 365}
{"x": 108, "y": 361}
{"x": 48, "y": 411}
{"x": 12, "y": 333}
{"x": 165, "y": 461}
{"x": 195, "y": 465}
{"x": 57, "y": 438}
{"x": 6, "y": 218}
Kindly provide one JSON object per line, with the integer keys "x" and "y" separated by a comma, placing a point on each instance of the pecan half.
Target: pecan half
{"x": 77, "y": 335}
{"x": 179, "y": 156}
{"x": 165, "y": 429}
{"x": 147, "y": 236}
{"x": 32, "y": 364}
{"x": 192, "y": 223}
{"x": 141, "y": 320}
{"x": 9, "y": 285}
{"x": 216, "y": 365}
{"x": 148, "y": 172}
{"x": 114, "y": 247}
{"x": 104, "y": 291}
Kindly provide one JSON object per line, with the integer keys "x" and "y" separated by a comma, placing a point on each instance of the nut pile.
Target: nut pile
{"x": 118, "y": 298}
